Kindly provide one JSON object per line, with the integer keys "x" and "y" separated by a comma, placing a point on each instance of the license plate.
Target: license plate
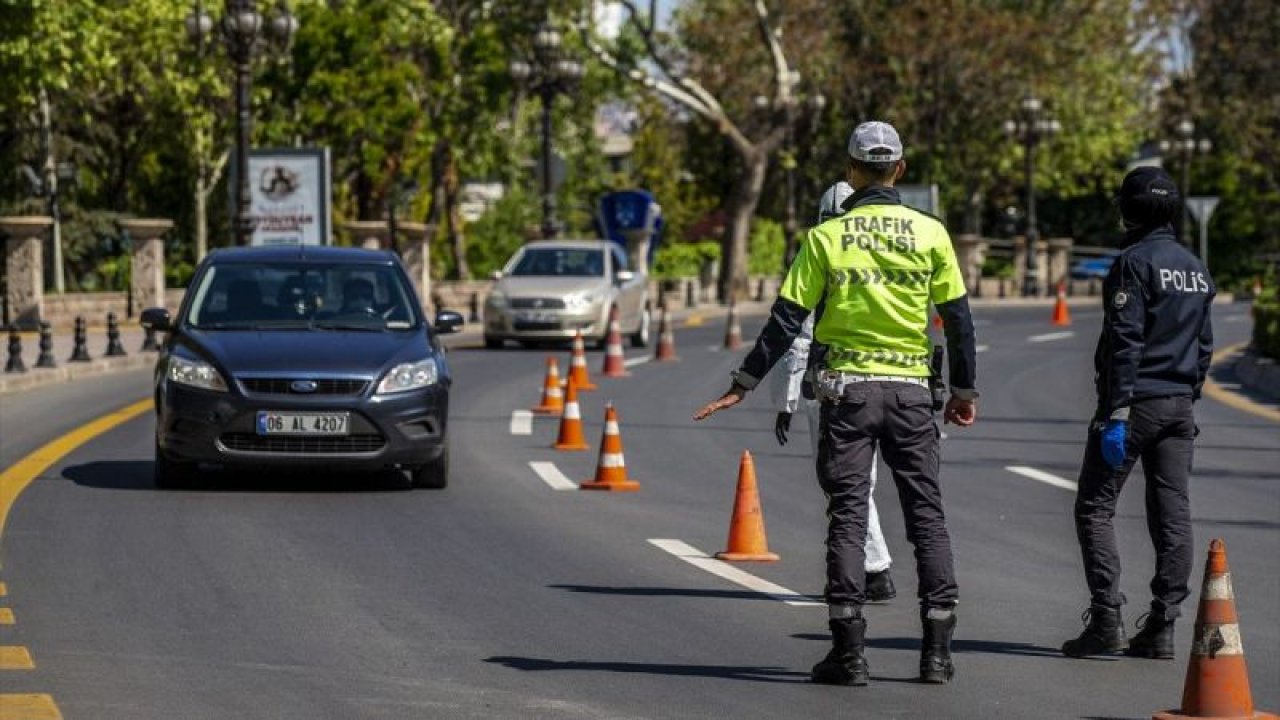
{"x": 287, "y": 423}
{"x": 537, "y": 317}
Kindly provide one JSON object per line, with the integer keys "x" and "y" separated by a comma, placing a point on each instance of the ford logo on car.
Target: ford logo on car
{"x": 303, "y": 386}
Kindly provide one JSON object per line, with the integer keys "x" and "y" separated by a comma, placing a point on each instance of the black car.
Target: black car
{"x": 301, "y": 356}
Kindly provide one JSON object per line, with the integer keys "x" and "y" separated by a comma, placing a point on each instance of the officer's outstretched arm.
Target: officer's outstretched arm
{"x": 784, "y": 325}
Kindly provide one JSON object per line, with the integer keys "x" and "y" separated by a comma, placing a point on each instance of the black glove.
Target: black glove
{"x": 781, "y": 425}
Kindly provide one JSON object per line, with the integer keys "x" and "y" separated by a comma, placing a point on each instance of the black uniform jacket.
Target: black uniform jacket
{"x": 1156, "y": 338}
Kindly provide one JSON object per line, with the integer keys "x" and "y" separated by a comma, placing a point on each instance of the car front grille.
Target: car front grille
{"x": 285, "y": 444}
{"x": 282, "y": 386}
{"x": 519, "y": 325}
{"x": 537, "y": 303}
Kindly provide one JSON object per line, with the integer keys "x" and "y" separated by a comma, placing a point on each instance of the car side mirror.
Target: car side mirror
{"x": 496, "y": 275}
{"x": 448, "y": 321}
{"x": 624, "y": 276}
{"x": 156, "y": 319}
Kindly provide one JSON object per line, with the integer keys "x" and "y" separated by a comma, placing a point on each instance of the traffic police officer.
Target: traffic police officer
{"x": 874, "y": 271}
{"x": 793, "y": 390}
{"x": 1152, "y": 358}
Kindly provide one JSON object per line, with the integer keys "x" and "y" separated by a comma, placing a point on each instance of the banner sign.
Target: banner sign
{"x": 290, "y": 192}
{"x": 632, "y": 215}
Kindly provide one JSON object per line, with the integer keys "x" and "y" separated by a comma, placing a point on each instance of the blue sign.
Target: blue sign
{"x": 631, "y": 210}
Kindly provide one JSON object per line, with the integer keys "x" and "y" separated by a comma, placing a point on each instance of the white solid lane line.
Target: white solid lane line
{"x": 1042, "y": 476}
{"x": 699, "y": 559}
{"x": 636, "y": 361}
{"x": 1047, "y": 337}
{"x": 552, "y": 476}
{"x": 521, "y": 422}
{"x": 981, "y": 348}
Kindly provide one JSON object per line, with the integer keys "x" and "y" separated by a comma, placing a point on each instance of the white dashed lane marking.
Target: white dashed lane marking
{"x": 1042, "y": 476}
{"x": 699, "y": 559}
{"x": 521, "y": 422}
{"x": 552, "y": 476}
{"x": 636, "y": 361}
{"x": 1049, "y": 337}
{"x": 981, "y": 348}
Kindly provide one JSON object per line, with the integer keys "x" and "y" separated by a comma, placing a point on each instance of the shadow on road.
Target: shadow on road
{"x": 671, "y": 592}
{"x": 988, "y": 647}
{"x": 137, "y": 475}
{"x": 727, "y": 672}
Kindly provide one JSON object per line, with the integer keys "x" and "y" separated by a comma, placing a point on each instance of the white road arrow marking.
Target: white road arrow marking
{"x": 521, "y": 422}
{"x": 699, "y": 559}
{"x": 1042, "y": 476}
{"x": 552, "y": 476}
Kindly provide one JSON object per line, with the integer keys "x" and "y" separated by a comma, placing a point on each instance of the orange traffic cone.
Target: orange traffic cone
{"x": 747, "y": 541}
{"x": 611, "y": 469}
{"x": 552, "y": 395}
{"x": 1061, "y": 316}
{"x": 578, "y": 365}
{"x": 614, "y": 361}
{"x": 666, "y": 340}
{"x": 733, "y": 330}
{"x": 570, "y": 437}
{"x": 1217, "y": 684}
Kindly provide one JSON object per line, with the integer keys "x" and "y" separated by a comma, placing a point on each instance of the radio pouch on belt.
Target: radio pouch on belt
{"x": 936, "y": 386}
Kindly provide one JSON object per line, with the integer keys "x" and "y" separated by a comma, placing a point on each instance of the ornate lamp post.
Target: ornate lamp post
{"x": 550, "y": 73}
{"x": 1187, "y": 145}
{"x": 795, "y": 101}
{"x": 1030, "y": 126}
{"x": 241, "y": 29}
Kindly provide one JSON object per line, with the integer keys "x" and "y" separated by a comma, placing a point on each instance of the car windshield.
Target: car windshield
{"x": 563, "y": 262}
{"x": 291, "y": 296}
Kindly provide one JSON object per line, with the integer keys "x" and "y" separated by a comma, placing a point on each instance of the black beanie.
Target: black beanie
{"x": 1149, "y": 198}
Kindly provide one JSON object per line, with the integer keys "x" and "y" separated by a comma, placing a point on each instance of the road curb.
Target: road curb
{"x": 1260, "y": 377}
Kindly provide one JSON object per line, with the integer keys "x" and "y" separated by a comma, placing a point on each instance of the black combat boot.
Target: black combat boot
{"x": 1103, "y": 633}
{"x": 935, "y": 649}
{"x": 845, "y": 664}
{"x": 880, "y": 586}
{"x": 1154, "y": 639}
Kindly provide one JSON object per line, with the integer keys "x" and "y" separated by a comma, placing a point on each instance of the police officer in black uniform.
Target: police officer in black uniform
{"x": 1152, "y": 358}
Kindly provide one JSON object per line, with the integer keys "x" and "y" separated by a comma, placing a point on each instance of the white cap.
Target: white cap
{"x": 875, "y": 142}
{"x": 832, "y": 201}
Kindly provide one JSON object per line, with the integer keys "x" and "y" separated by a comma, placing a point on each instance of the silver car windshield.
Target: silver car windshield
{"x": 562, "y": 262}
{"x": 285, "y": 296}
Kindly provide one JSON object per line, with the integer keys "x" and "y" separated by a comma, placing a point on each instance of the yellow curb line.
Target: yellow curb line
{"x": 28, "y": 707}
{"x": 1226, "y": 397}
{"x": 695, "y": 320}
{"x": 18, "y": 476}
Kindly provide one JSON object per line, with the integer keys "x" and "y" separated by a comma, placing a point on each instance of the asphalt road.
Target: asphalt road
{"x": 350, "y": 597}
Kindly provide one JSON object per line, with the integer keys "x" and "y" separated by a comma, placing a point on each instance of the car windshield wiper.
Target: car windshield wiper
{"x": 351, "y": 325}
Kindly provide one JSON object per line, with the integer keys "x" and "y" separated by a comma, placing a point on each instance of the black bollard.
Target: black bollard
{"x": 46, "y": 347}
{"x": 1000, "y": 291}
{"x": 760, "y": 291}
{"x": 114, "y": 348}
{"x": 149, "y": 343}
{"x": 691, "y": 296}
{"x": 80, "y": 353}
{"x": 474, "y": 317}
{"x": 14, "y": 363}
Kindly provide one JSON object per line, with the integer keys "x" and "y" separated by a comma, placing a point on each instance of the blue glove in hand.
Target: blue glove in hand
{"x": 1113, "y": 439}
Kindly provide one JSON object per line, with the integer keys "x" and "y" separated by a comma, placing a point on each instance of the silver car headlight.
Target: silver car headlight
{"x": 581, "y": 301}
{"x": 195, "y": 373}
{"x": 496, "y": 299}
{"x": 409, "y": 376}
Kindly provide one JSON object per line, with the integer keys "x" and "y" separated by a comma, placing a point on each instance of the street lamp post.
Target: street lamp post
{"x": 1187, "y": 145}
{"x": 1031, "y": 125}
{"x": 241, "y": 30}
{"x": 552, "y": 72}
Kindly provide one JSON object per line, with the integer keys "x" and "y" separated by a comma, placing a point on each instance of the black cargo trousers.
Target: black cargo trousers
{"x": 898, "y": 417}
{"x": 1162, "y": 433}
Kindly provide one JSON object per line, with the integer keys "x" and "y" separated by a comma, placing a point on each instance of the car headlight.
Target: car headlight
{"x": 581, "y": 301}
{"x": 496, "y": 299}
{"x": 409, "y": 376}
{"x": 195, "y": 373}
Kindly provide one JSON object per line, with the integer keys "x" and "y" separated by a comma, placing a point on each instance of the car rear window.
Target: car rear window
{"x": 565, "y": 262}
{"x": 240, "y": 296}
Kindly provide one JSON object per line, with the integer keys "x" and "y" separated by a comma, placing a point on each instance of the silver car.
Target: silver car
{"x": 550, "y": 290}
